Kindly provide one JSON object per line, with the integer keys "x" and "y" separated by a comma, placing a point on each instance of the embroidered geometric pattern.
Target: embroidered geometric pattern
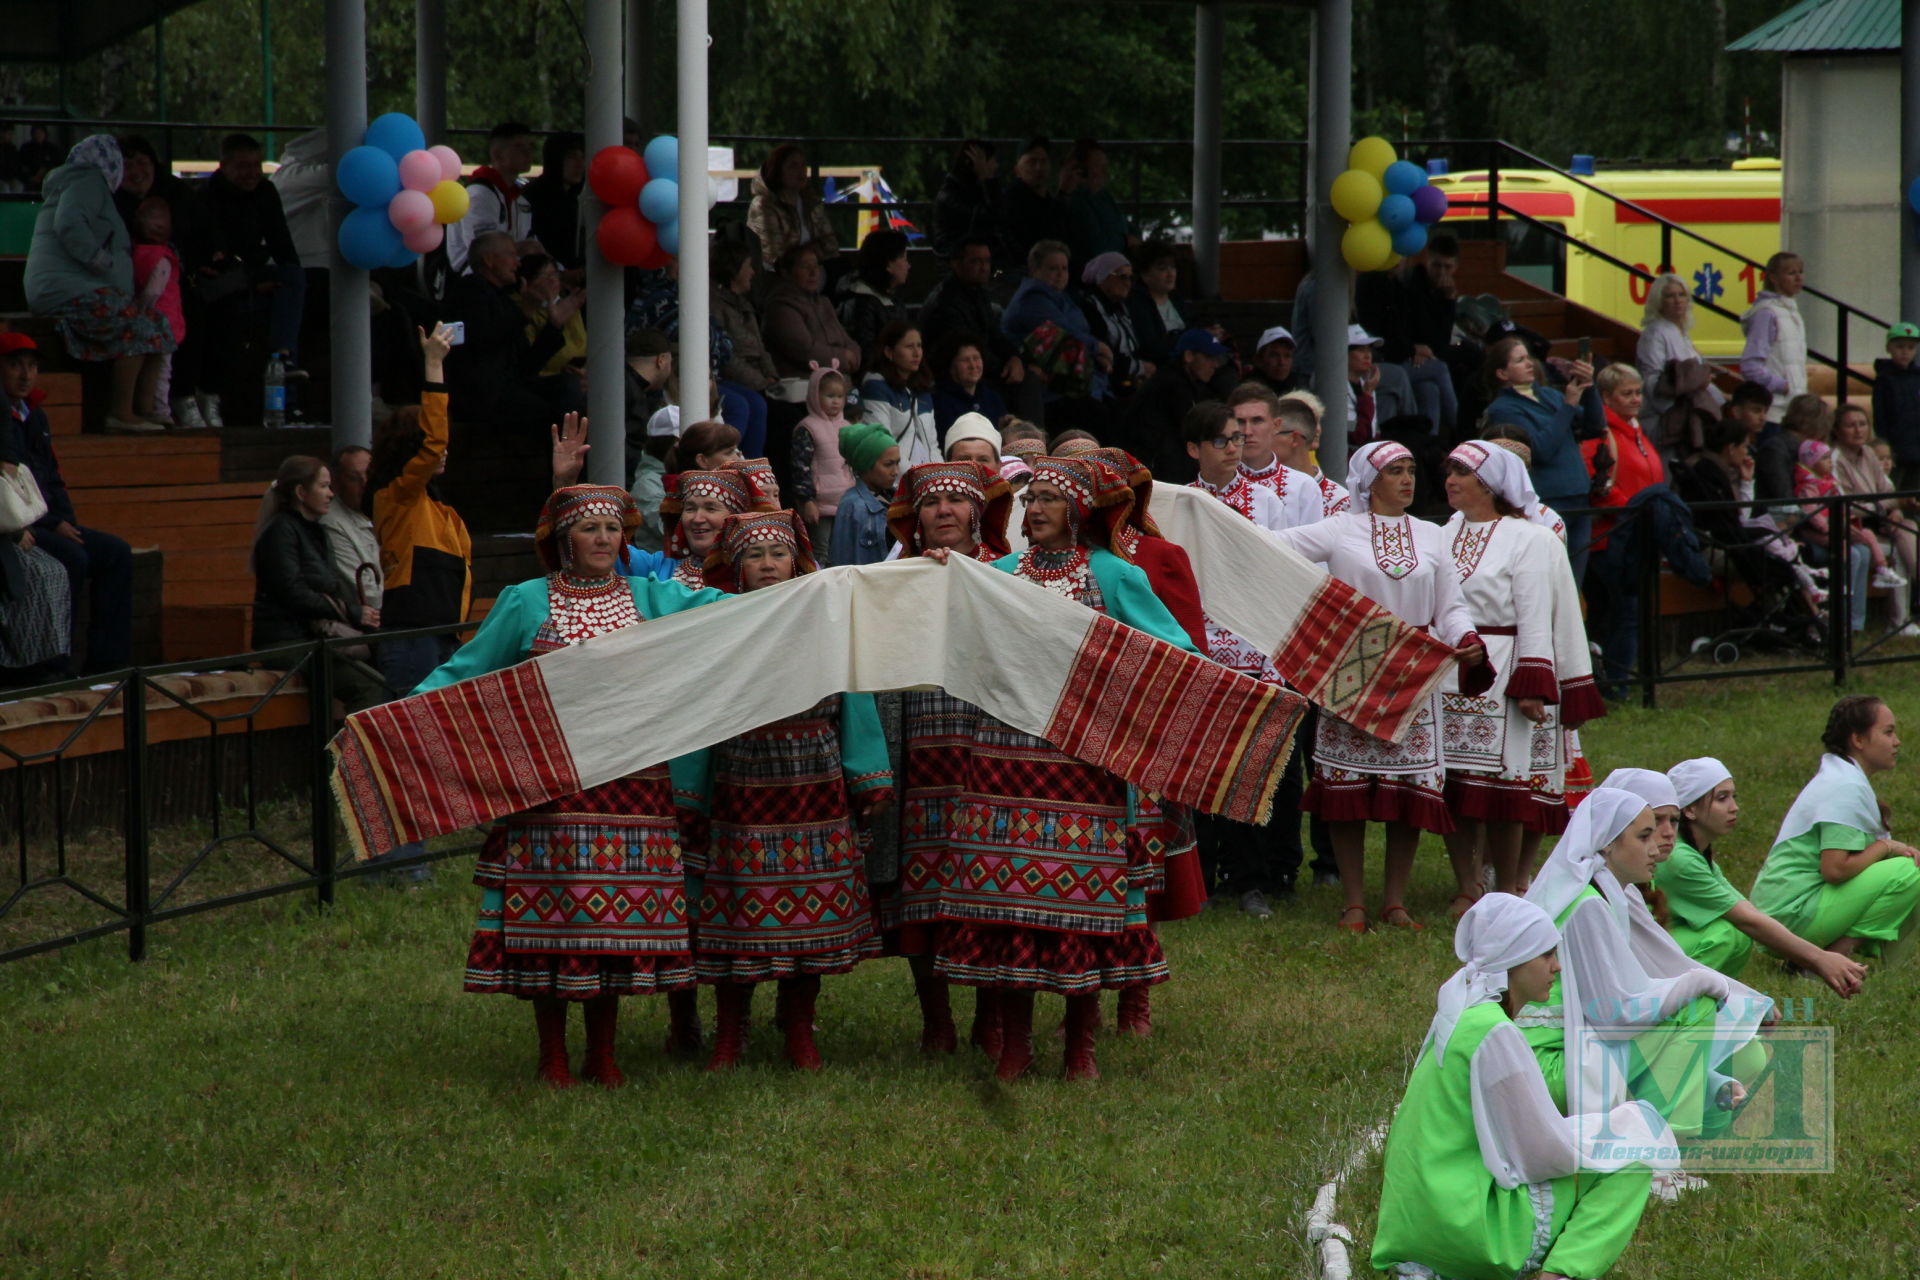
{"x": 938, "y": 731}
{"x": 1393, "y": 546}
{"x": 1068, "y": 964}
{"x": 1238, "y": 492}
{"x": 1471, "y": 543}
{"x": 1359, "y": 661}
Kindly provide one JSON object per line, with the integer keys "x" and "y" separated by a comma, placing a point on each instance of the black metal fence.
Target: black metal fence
{"x": 219, "y": 780}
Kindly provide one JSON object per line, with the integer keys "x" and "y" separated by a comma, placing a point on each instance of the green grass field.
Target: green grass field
{"x": 278, "y": 1092}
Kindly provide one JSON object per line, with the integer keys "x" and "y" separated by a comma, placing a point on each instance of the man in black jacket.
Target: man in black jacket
{"x": 251, "y": 226}
{"x": 962, "y": 304}
{"x": 1202, "y": 369}
{"x": 491, "y": 375}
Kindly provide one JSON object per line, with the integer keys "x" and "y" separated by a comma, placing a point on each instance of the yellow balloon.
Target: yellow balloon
{"x": 1367, "y": 245}
{"x": 1371, "y": 155}
{"x": 449, "y": 202}
{"x": 1356, "y": 195}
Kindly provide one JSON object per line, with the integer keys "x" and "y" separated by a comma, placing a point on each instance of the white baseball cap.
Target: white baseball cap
{"x": 664, "y": 422}
{"x": 1358, "y": 337}
{"x": 1275, "y": 334}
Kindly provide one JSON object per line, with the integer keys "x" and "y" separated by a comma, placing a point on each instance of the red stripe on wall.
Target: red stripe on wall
{"x": 1761, "y": 209}
{"x": 1535, "y": 204}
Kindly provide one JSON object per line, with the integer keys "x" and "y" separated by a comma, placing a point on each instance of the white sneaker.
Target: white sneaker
{"x": 1909, "y": 630}
{"x": 1888, "y": 577}
{"x": 210, "y": 409}
{"x": 187, "y": 415}
{"x": 140, "y": 425}
{"x": 1671, "y": 1184}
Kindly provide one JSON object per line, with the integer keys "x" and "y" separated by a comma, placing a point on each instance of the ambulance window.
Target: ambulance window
{"x": 1536, "y": 256}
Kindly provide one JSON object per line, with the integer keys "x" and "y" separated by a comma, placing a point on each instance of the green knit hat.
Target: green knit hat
{"x": 862, "y": 443}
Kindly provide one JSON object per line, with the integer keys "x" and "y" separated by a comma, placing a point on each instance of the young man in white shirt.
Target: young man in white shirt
{"x": 1252, "y": 406}
{"x": 1214, "y": 441}
{"x": 1296, "y": 434}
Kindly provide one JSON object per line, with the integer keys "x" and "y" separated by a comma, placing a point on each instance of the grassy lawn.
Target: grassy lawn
{"x": 277, "y": 1092}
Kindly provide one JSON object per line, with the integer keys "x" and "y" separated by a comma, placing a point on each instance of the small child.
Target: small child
{"x": 820, "y": 475}
{"x": 860, "y": 527}
{"x": 1813, "y": 478}
{"x": 1896, "y": 402}
{"x": 156, "y": 276}
{"x": 1883, "y": 454}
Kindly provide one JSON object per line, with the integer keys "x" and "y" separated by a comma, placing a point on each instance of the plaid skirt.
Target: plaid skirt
{"x": 107, "y": 324}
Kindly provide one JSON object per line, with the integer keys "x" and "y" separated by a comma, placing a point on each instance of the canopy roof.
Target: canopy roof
{"x": 64, "y": 31}
{"x": 1825, "y": 26}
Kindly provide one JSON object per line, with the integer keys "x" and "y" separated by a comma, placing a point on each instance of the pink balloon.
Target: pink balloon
{"x": 410, "y": 210}
{"x": 419, "y": 170}
{"x": 425, "y": 239}
{"x": 449, "y": 162}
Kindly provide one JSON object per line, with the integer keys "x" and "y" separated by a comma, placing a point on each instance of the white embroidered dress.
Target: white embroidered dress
{"x": 1298, "y": 492}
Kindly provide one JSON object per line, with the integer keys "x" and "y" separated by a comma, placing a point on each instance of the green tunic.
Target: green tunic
{"x": 1698, "y": 898}
{"x": 1441, "y": 1212}
{"x": 1876, "y": 905}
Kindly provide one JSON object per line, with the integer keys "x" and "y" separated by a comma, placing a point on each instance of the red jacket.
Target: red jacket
{"x": 1638, "y": 466}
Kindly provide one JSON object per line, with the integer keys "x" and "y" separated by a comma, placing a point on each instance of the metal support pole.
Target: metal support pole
{"x": 430, "y": 68}
{"x": 1839, "y": 590}
{"x": 266, "y": 77}
{"x": 133, "y": 714}
{"x": 1331, "y": 130}
{"x": 606, "y": 300}
{"x": 1209, "y": 51}
{"x": 320, "y": 817}
{"x": 640, "y": 64}
{"x": 1909, "y": 160}
{"x": 346, "y": 284}
{"x": 160, "y": 75}
{"x": 693, "y": 356}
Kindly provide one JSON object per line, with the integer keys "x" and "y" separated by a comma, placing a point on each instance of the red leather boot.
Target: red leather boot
{"x": 986, "y": 1021}
{"x": 1136, "y": 1012}
{"x": 550, "y": 1017}
{"x": 683, "y": 1023}
{"x": 735, "y": 1001}
{"x": 603, "y": 1016}
{"x": 1016, "y": 1033}
{"x": 936, "y": 1013}
{"x": 800, "y": 995}
{"x": 1083, "y": 1021}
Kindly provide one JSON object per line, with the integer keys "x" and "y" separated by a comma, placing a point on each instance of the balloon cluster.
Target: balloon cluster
{"x": 406, "y": 193}
{"x": 641, "y": 227}
{"x": 1389, "y": 203}
{"x": 1913, "y": 195}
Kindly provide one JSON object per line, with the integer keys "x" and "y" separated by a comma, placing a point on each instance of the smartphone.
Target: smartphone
{"x": 1586, "y": 350}
{"x": 457, "y": 333}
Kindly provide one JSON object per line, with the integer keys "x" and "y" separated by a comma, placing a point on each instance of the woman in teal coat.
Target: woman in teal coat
{"x": 584, "y": 897}
{"x": 1484, "y": 1178}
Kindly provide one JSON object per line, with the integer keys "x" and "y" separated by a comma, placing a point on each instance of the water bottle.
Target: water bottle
{"x": 274, "y": 409}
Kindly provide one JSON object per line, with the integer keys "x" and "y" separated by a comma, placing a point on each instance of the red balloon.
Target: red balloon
{"x": 616, "y": 176}
{"x": 626, "y": 238}
{"x": 655, "y": 260}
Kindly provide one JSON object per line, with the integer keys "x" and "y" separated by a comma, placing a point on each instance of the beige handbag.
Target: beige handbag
{"x": 21, "y": 503}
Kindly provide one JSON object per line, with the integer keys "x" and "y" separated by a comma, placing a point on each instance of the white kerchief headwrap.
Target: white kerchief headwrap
{"x": 1649, "y": 784}
{"x": 1577, "y": 861}
{"x": 1367, "y": 464}
{"x": 1500, "y": 470}
{"x": 1839, "y": 793}
{"x": 1694, "y": 778}
{"x": 1497, "y": 933}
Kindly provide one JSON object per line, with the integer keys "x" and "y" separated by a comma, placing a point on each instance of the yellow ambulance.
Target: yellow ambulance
{"x": 1737, "y": 207}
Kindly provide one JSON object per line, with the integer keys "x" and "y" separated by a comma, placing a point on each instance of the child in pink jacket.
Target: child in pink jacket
{"x": 820, "y": 474}
{"x": 156, "y": 277}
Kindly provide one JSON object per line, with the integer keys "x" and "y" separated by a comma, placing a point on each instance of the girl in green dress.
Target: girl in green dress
{"x": 1834, "y": 876}
{"x": 1710, "y": 919}
{"x": 1485, "y": 1179}
{"x": 1630, "y": 1013}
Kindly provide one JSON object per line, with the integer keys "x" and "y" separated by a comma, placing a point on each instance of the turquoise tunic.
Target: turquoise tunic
{"x": 1698, "y": 899}
{"x": 1442, "y": 1214}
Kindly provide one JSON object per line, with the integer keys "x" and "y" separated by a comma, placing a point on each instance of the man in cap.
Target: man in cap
{"x": 1273, "y": 362}
{"x": 1202, "y": 369}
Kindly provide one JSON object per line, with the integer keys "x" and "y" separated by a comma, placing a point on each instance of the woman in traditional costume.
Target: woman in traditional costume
{"x": 1400, "y": 564}
{"x": 699, "y": 502}
{"x": 1627, "y": 1016}
{"x": 1485, "y": 1179}
{"x": 1834, "y": 876}
{"x": 1504, "y": 750}
{"x": 1710, "y": 920}
{"x": 785, "y": 890}
{"x": 584, "y": 897}
{"x": 1046, "y": 892}
{"x": 958, "y": 508}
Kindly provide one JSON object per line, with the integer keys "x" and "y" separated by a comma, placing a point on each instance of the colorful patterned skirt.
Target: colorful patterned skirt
{"x": 584, "y": 896}
{"x": 1501, "y": 767}
{"x": 939, "y": 730}
{"x": 785, "y": 889}
{"x": 106, "y": 324}
{"x": 1044, "y": 890}
{"x": 1360, "y": 778}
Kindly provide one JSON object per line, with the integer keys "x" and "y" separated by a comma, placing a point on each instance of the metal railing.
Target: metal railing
{"x": 46, "y": 856}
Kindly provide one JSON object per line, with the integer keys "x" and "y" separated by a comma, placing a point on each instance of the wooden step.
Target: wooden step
{"x": 152, "y": 471}
{"x": 189, "y": 632}
{"x": 165, "y": 444}
{"x": 232, "y": 535}
{"x": 61, "y": 388}
{"x": 214, "y": 591}
{"x": 134, "y": 518}
{"x": 227, "y": 563}
{"x": 179, "y": 493}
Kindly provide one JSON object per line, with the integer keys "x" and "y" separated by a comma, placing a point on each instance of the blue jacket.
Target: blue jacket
{"x": 1033, "y": 305}
{"x": 1559, "y": 473}
{"x": 860, "y": 527}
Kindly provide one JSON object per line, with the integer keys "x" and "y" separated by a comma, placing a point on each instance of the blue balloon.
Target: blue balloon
{"x": 368, "y": 240}
{"x": 405, "y": 258}
{"x": 1403, "y": 178}
{"x": 396, "y": 133}
{"x": 670, "y": 238}
{"x": 663, "y": 156}
{"x": 1913, "y": 195}
{"x": 369, "y": 177}
{"x": 1409, "y": 239}
{"x": 1396, "y": 212}
{"x": 660, "y": 200}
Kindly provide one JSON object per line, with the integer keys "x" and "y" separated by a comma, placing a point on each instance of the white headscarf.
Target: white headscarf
{"x": 1649, "y": 784}
{"x": 1497, "y": 933}
{"x": 1367, "y": 464}
{"x": 1839, "y": 793}
{"x": 1694, "y": 778}
{"x": 99, "y": 151}
{"x": 1577, "y": 861}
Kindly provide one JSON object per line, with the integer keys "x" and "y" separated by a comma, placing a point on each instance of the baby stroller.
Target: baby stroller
{"x": 1782, "y": 611}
